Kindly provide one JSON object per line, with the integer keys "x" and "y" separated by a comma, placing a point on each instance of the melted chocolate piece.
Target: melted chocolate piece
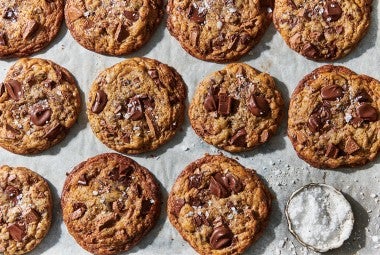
{"x": 3, "y": 41}
{"x": 131, "y": 15}
{"x": 233, "y": 183}
{"x": 362, "y": 97}
{"x": 14, "y": 89}
{"x": 145, "y": 207}
{"x": 221, "y": 237}
{"x": 211, "y": 100}
{"x": 310, "y": 51}
{"x": 12, "y": 192}
{"x": 121, "y": 33}
{"x": 319, "y": 117}
{"x": 367, "y": 112}
{"x": 39, "y": 115}
{"x": 258, "y": 105}
{"x": 10, "y": 14}
{"x": 52, "y": 132}
{"x": 79, "y": 211}
{"x": 331, "y": 92}
{"x": 100, "y": 102}
{"x": 30, "y": 29}
{"x": 217, "y": 186}
{"x": 197, "y": 14}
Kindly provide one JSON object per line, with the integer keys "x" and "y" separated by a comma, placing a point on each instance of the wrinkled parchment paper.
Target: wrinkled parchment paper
{"x": 275, "y": 161}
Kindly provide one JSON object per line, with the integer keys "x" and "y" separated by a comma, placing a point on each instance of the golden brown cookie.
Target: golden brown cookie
{"x": 334, "y": 118}
{"x": 113, "y": 27}
{"x": 322, "y": 30}
{"x": 109, "y": 203}
{"x": 218, "y": 30}
{"x": 136, "y": 105}
{"x": 219, "y": 206}
{"x": 28, "y": 26}
{"x": 236, "y": 108}
{"x": 25, "y": 210}
{"x": 39, "y": 102}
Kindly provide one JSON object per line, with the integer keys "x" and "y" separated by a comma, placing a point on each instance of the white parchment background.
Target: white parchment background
{"x": 276, "y": 161}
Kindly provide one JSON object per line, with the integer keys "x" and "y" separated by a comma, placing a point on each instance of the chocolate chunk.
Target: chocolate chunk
{"x": 195, "y": 181}
{"x": 258, "y": 105}
{"x": 221, "y": 237}
{"x": 351, "y": 146}
{"x": 224, "y": 104}
{"x": 332, "y": 151}
{"x": 131, "y": 15}
{"x": 121, "y": 33}
{"x": 356, "y": 121}
{"x": 17, "y": 231}
{"x": 314, "y": 123}
{"x": 200, "y": 220}
{"x": 13, "y": 132}
{"x": 51, "y": 132}
{"x": 331, "y": 92}
{"x": 145, "y": 207}
{"x": 331, "y": 11}
{"x": 3, "y": 41}
{"x": 147, "y": 102}
{"x": 127, "y": 137}
{"x": 100, "y": 102}
{"x": 82, "y": 180}
{"x": 30, "y": 29}
{"x": 217, "y": 186}
{"x": 233, "y": 183}
{"x": 310, "y": 51}
{"x": 121, "y": 173}
{"x": 32, "y": 216}
{"x": 14, "y": 89}
{"x": 239, "y": 138}
{"x": 74, "y": 13}
{"x": 197, "y": 14}
{"x": 177, "y": 206}
{"x": 295, "y": 40}
{"x": 135, "y": 109}
{"x": 40, "y": 115}
{"x": 10, "y": 13}
{"x": 79, "y": 211}
{"x": 367, "y": 112}
{"x": 362, "y": 96}
{"x": 210, "y": 100}
{"x": 12, "y": 192}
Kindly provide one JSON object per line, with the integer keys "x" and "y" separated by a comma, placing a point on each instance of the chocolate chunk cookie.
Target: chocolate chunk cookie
{"x": 219, "y": 206}
{"x": 25, "y": 210}
{"x": 39, "y": 102}
{"x": 334, "y": 118}
{"x": 110, "y": 203}
{"x": 236, "y": 108}
{"x": 28, "y": 26}
{"x": 322, "y": 30}
{"x": 218, "y": 30}
{"x": 136, "y": 105}
{"x": 113, "y": 27}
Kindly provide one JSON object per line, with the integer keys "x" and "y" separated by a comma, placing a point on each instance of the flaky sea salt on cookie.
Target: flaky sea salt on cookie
{"x": 319, "y": 217}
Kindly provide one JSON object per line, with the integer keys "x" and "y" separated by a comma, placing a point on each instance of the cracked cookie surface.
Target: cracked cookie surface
{"x": 218, "y": 30}
{"x": 109, "y": 203}
{"x": 322, "y": 30}
{"x": 28, "y": 26}
{"x": 219, "y": 206}
{"x": 113, "y": 27}
{"x": 334, "y": 118}
{"x": 25, "y": 210}
{"x": 136, "y": 105}
{"x": 236, "y": 108}
{"x": 39, "y": 102}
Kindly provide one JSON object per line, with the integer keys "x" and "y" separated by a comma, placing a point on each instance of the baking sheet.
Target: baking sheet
{"x": 275, "y": 161}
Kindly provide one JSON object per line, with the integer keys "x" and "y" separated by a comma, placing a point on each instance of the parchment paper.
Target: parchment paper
{"x": 275, "y": 161}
